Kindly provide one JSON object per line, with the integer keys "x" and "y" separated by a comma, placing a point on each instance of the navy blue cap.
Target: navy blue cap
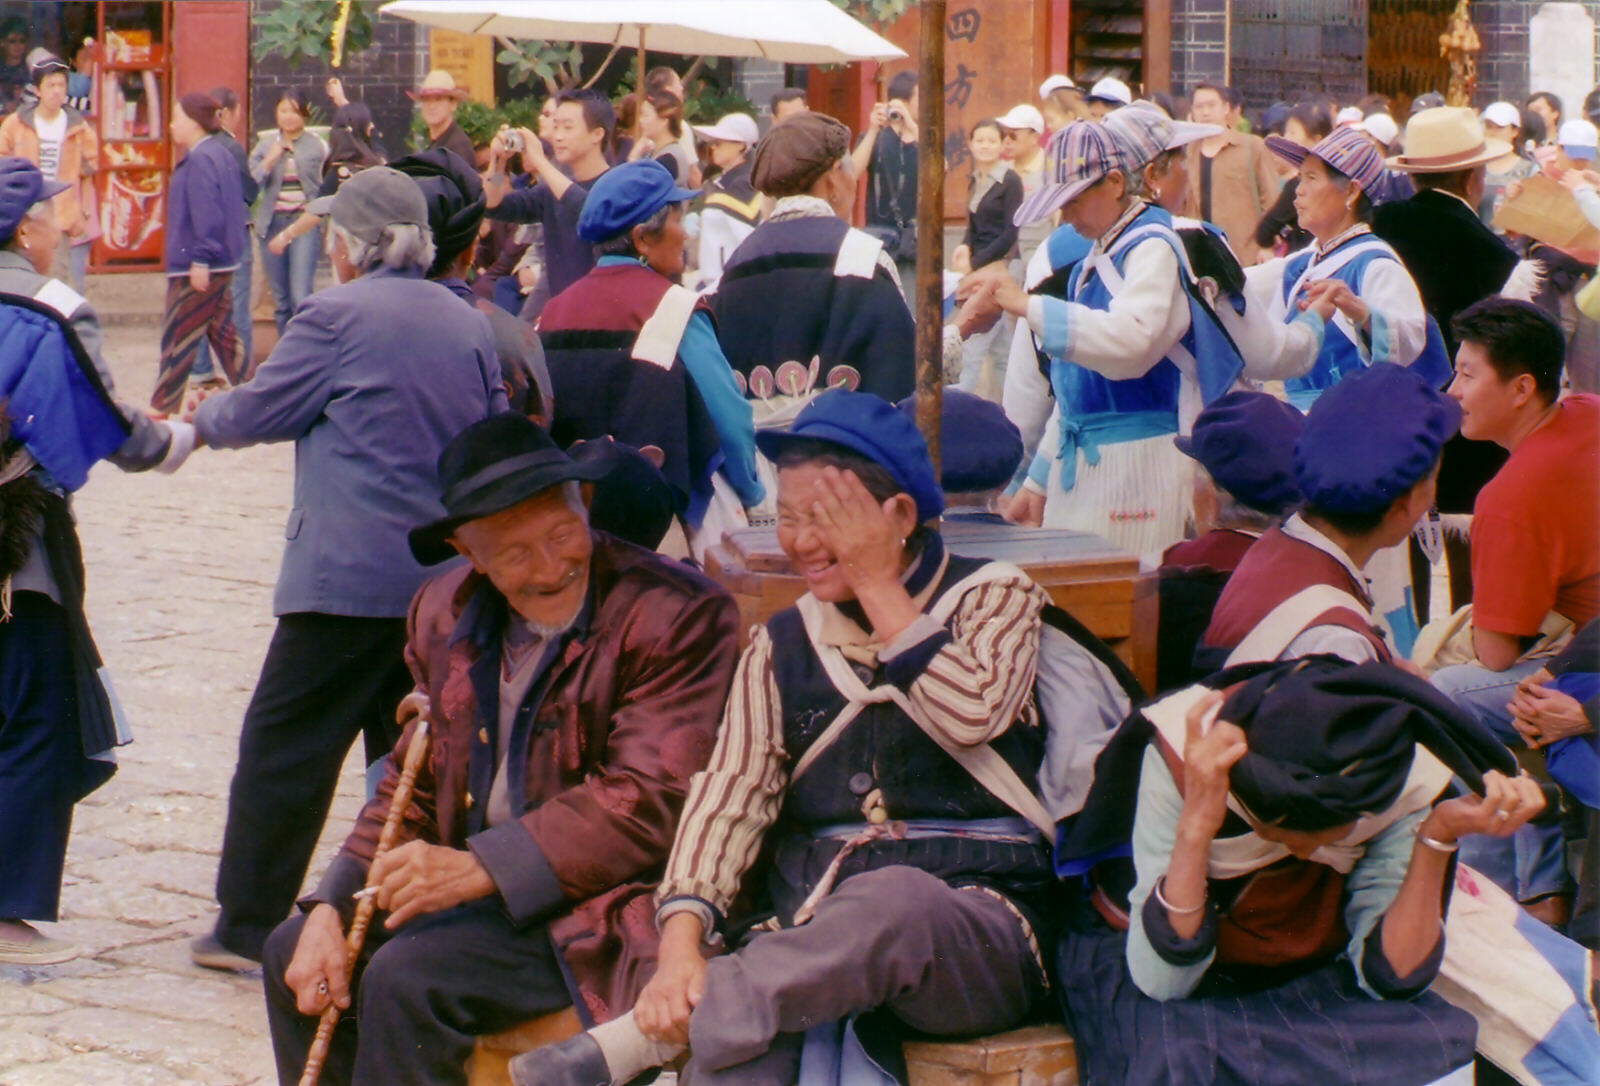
{"x": 1245, "y": 441}
{"x": 979, "y": 448}
{"x": 869, "y": 425}
{"x": 625, "y": 196}
{"x": 21, "y": 186}
{"x": 1372, "y": 437}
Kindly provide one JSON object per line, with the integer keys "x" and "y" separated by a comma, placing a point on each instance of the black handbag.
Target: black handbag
{"x": 900, "y": 239}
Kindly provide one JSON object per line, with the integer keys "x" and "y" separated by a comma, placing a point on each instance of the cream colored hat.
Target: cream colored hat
{"x": 439, "y": 84}
{"x": 1446, "y": 138}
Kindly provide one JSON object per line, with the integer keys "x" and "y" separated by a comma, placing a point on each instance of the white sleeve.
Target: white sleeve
{"x": 1272, "y": 349}
{"x": 1148, "y": 315}
{"x": 1026, "y": 396}
{"x": 1399, "y": 326}
{"x": 1337, "y": 641}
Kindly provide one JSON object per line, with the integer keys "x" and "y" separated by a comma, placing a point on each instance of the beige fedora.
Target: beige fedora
{"x": 1446, "y": 138}
{"x": 439, "y": 84}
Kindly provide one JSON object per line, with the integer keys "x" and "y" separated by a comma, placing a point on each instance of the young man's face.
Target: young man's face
{"x": 437, "y": 110}
{"x": 788, "y": 108}
{"x": 570, "y": 136}
{"x": 1208, "y": 107}
{"x": 53, "y": 91}
{"x": 1489, "y": 405}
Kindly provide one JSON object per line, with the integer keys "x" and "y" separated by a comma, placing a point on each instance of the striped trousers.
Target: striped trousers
{"x": 191, "y": 314}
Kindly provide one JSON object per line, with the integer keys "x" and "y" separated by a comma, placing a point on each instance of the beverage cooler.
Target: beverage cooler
{"x": 131, "y": 103}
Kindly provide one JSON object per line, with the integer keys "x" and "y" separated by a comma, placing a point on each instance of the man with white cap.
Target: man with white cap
{"x": 1021, "y": 133}
{"x": 732, "y": 204}
{"x": 1502, "y": 121}
{"x": 1134, "y": 354}
{"x": 370, "y": 381}
{"x": 1106, "y": 95}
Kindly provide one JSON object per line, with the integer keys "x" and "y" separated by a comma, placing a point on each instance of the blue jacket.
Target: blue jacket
{"x": 370, "y": 381}
{"x": 205, "y": 210}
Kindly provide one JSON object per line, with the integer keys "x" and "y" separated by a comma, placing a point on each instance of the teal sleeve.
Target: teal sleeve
{"x": 1372, "y": 886}
{"x": 1053, "y": 336}
{"x": 1155, "y": 832}
{"x": 730, "y": 411}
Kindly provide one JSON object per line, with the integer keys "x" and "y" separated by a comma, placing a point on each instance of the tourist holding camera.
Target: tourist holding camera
{"x": 887, "y": 158}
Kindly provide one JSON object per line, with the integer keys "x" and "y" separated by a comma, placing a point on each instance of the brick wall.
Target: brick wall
{"x": 1503, "y": 29}
{"x": 378, "y": 75}
{"x": 1198, "y": 28}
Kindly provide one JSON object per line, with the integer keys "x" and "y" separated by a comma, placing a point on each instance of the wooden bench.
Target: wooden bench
{"x": 1032, "y": 1056}
{"x": 1087, "y": 577}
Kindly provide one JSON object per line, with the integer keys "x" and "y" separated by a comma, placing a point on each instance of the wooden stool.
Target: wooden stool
{"x": 1087, "y": 577}
{"x": 1032, "y": 1056}
{"x": 487, "y": 1065}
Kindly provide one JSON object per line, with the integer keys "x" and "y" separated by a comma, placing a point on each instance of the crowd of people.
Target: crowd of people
{"x": 1282, "y": 370}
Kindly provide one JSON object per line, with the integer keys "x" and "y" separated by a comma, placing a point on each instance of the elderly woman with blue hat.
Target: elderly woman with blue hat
{"x": 58, "y": 723}
{"x": 634, "y": 355}
{"x": 1135, "y": 354}
{"x": 897, "y": 881}
{"x": 1378, "y": 313}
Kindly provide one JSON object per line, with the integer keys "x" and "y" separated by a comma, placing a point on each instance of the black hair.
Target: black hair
{"x": 224, "y": 97}
{"x": 1232, "y": 96}
{"x": 1313, "y": 117}
{"x": 787, "y": 94}
{"x": 873, "y": 475}
{"x": 1360, "y": 524}
{"x": 903, "y": 85}
{"x": 1533, "y": 127}
{"x": 350, "y": 138}
{"x": 1455, "y": 181}
{"x": 659, "y": 77}
{"x": 669, "y": 107}
{"x": 1550, "y": 100}
{"x": 1591, "y": 105}
{"x": 1363, "y": 208}
{"x": 1164, "y": 102}
{"x": 1518, "y": 337}
{"x": 296, "y": 98}
{"x": 1374, "y": 103}
{"x": 987, "y": 122}
{"x": 597, "y": 111}
{"x": 11, "y": 24}
{"x": 1214, "y": 87}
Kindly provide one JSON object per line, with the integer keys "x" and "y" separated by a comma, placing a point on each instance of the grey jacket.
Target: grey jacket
{"x": 309, "y": 155}
{"x": 370, "y": 380}
{"x": 148, "y": 442}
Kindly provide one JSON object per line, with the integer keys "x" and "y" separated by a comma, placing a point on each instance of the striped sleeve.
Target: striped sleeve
{"x": 980, "y": 681}
{"x": 735, "y": 800}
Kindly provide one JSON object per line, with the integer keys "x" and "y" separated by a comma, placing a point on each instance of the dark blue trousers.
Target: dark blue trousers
{"x": 41, "y": 756}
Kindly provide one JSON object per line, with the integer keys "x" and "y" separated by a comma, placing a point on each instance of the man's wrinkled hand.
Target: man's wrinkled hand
{"x": 419, "y": 878}
{"x": 317, "y": 974}
{"x": 663, "y": 1008}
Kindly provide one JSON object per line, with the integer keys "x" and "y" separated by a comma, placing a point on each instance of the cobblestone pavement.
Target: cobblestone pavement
{"x": 180, "y": 574}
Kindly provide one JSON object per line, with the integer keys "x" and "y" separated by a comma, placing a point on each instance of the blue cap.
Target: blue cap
{"x": 625, "y": 196}
{"x": 1245, "y": 441}
{"x": 979, "y": 448}
{"x": 1370, "y": 438}
{"x": 21, "y": 186}
{"x": 866, "y": 424}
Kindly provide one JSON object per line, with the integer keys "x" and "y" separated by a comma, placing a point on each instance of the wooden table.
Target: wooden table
{"x": 1087, "y": 577}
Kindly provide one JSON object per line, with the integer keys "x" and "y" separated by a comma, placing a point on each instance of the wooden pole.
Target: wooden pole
{"x": 929, "y": 294}
{"x": 638, "y": 121}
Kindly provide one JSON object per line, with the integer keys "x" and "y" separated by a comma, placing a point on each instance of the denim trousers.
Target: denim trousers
{"x": 290, "y": 276}
{"x": 1531, "y": 863}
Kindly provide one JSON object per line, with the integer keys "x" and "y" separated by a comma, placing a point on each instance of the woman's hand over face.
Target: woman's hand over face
{"x": 857, "y": 529}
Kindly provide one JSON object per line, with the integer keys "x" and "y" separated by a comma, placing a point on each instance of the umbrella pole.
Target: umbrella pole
{"x": 929, "y": 295}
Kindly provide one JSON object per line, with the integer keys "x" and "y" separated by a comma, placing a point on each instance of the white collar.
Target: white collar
{"x": 1297, "y": 528}
{"x": 1339, "y": 239}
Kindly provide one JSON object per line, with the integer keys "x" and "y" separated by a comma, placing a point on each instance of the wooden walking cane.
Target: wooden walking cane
{"x": 416, "y": 751}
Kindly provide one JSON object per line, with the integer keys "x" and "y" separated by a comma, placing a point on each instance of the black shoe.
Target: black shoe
{"x": 577, "y": 1061}
{"x": 208, "y": 952}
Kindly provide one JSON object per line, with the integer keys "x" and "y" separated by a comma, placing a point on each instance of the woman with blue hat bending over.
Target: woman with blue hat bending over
{"x": 1378, "y": 314}
{"x": 635, "y": 356}
{"x": 897, "y": 882}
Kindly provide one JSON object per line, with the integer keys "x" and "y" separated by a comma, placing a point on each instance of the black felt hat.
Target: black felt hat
{"x": 490, "y": 466}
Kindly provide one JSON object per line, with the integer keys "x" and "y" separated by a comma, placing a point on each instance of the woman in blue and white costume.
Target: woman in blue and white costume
{"x": 1134, "y": 353}
{"x": 1378, "y": 312}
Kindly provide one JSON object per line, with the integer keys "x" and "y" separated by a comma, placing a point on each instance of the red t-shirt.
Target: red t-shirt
{"x": 1536, "y": 527}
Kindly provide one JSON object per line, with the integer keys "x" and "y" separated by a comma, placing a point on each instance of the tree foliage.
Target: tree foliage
{"x": 555, "y": 64}
{"x": 876, "y": 13}
{"x": 302, "y": 30}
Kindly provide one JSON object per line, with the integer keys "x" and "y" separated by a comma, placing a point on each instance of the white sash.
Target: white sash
{"x": 858, "y": 255}
{"x": 1289, "y": 620}
{"x": 658, "y": 340}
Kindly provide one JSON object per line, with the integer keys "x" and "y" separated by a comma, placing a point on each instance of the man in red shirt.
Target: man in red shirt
{"x": 1535, "y": 543}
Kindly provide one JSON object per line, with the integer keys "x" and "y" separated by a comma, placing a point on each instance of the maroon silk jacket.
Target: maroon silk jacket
{"x": 630, "y": 713}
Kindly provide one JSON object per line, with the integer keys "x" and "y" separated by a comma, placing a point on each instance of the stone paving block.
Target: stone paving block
{"x": 192, "y": 873}
{"x": 188, "y": 995}
{"x": 21, "y": 1049}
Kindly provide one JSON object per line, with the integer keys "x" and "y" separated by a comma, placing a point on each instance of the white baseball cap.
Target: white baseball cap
{"x": 1348, "y": 115}
{"x": 1578, "y": 138}
{"x": 734, "y": 128}
{"x": 1023, "y": 116}
{"x": 1110, "y": 90}
{"x": 1503, "y": 114}
{"x": 1055, "y": 83}
{"x": 1380, "y": 126}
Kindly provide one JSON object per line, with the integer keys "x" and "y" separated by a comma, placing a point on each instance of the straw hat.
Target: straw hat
{"x": 439, "y": 84}
{"x": 1443, "y": 139}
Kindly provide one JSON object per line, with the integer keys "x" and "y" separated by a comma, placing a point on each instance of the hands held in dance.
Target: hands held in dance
{"x": 1326, "y": 295}
{"x": 662, "y": 1012}
{"x": 1542, "y": 715}
{"x": 987, "y": 293}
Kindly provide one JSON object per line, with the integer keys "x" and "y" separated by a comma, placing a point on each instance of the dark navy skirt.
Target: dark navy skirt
{"x": 1319, "y": 1029}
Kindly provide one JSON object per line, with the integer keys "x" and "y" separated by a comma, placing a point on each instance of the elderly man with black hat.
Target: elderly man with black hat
{"x": 370, "y": 380}
{"x": 843, "y": 322}
{"x": 1366, "y": 462}
{"x": 634, "y": 355}
{"x": 881, "y": 747}
{"x": 58, "y": 724}
{"x": 573, "y": 684}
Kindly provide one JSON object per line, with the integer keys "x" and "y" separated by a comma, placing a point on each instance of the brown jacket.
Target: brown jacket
{"x": 1243, "y": 185}
{"x": 630, "y": 713}
{"x": 80, "y": 154}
